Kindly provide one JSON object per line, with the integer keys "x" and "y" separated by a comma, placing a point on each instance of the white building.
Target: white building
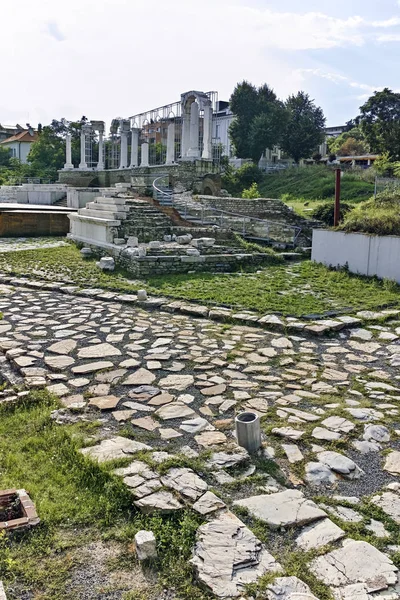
{"x": 20, "y": 144}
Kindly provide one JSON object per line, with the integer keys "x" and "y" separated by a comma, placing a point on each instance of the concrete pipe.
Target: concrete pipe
{"x": 248, "y": 431}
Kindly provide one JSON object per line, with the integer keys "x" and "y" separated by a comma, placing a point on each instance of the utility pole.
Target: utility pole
{"x": 336, "y": 217}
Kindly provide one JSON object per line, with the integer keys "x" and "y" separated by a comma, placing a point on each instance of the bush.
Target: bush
{"x": 252, "y": 192}
{"x": 325, "y": 212}
{"x": 236, "y": 180}
{"x": 380, "y": 216}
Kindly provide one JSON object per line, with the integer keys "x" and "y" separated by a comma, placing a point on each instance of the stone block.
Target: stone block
{"x": 132, "y": 242}
{"x": 86, "y": 253}
{"x": 184, "y": 239}
{"x": 146, "y": 545}
{"x": 142, "y": 295}
{"x": 119, "y": 241}
{"x": 106, "y": 263}
{"x": 155, "y": 245}
{"x": 167, "y": 238}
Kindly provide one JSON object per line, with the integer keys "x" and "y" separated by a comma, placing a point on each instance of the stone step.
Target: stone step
{"x": 94, "y": 220}
{"x": 106, "y": 207}
{"x": 107, "y": 200}
{"x": 102, "y": 214}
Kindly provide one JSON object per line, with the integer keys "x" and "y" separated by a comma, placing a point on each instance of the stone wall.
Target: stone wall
{"x": 192, "y": 175}
{"x": 149, "y": 266}
{"x": 261, "y": 208}
{"x": 33, "y": 193}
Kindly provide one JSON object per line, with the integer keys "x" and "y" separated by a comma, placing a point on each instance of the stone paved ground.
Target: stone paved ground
{"x": 172, "y": 384}
{"x": 13, "y": 244}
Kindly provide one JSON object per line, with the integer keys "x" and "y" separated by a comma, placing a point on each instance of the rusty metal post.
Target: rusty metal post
{"x": 336, "y": 216}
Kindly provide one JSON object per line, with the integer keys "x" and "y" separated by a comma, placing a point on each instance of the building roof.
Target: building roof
{"x": 24, "y": 136}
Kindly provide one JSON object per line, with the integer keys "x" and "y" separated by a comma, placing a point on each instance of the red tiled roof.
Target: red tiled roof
{"x": 24, "y": 136}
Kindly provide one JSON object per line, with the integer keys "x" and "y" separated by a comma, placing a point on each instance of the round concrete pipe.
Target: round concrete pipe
{"x": 248, "y": 431}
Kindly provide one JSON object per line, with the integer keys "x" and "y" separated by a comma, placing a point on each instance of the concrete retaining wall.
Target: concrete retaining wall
{"x": 363, "y": 254}
{"x": 33, "y": 193}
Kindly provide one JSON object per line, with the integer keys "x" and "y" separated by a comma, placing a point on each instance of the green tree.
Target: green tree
{"x": 380, "y": 122}
{"x": 259, "y": 120}
{"x": 349, "y": 143}
{"x": 304, "y": 129}
{"x": 47, "y": 154}
{"x": 5, "y": 156}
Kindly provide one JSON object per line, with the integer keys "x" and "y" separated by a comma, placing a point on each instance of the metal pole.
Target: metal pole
{"x": 336, "y": 217}
{"x": 375, "y": 187}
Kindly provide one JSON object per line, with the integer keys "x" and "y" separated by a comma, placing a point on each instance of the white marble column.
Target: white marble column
{"x": 170, "y": 144}
{"x": 123, "y": 159}
{"x": 185, "y": 139}
{"x": 144, "y": 158}
{"x": 207, "y": 133}
{"x": 134, "y": 147}
{"x": 68, "y": 152}
{"x": 194, "y": 151}
{"x": 82, "y": 164}
{"x": 100, "y": 163}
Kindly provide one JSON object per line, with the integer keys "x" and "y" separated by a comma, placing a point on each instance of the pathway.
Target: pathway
{"x": 331, "y": 414}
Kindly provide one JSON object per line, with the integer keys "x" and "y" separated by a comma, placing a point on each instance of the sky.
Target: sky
{"x": 115, "y": 58}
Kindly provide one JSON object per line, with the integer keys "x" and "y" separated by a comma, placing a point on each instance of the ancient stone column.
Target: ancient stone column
{"x": 170, "y": 144}
{"x": 123, "y": 160}
{"x": 100, "y": 163}
{"x": 144, "y": 159}
{"x": 207, "y": 133}
{"x": 134, "y": 148}
{"x": 82, "y": 164}
{"x": 185, "y": 140}
{"x": 194, "y": 151}
{"x": 68, "y": 153}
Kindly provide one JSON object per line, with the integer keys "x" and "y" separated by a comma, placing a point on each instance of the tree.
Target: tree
{"x": 305, "y": 126}
{"x": 380, "y": 122}
{"x": 348, "y": 143}
{"x": 5, "y": 156}
{"x": 259, "y": 120}
{"x": 47, "y": 154}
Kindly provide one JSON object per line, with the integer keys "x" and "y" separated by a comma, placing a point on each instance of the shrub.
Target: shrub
{"x": 325, "y": 212}
{"x": 377, "y": 217}
{"x": 235, "y": 181}
{"x": 252, "y": 192}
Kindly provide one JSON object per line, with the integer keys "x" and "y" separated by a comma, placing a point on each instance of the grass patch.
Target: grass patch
{"x": 299, "y": 289}
{"x": 296, "y": 289}
{"x": 374, "y": 218}
{"x": 316, "y": 183}
{"x": 79, "y": 502}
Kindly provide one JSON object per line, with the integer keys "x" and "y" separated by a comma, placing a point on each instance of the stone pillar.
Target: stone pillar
{"x": 207, "y": 133}
{"x": 134, "y": 148}
{"x": 144, "y": 159}
{"x": 68, "y": 153}
{"x": 194, "y": 151}
{"x": 123, "y": 159}
{"x": 185, "y": 140}
{"x": 171, "y": 144}
{"x": 82, "y": 164}
{"x": 100, "y": 163}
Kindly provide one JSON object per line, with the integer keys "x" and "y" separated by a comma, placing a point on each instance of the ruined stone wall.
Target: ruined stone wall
{"x": 149, "y": 266}
{"x": 261, "y": 208}
{"x": 198, "y": 176}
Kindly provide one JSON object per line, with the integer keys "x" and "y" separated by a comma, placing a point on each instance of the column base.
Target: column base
{"x": 83, "y": 166}
{"x": 68, "y": 167}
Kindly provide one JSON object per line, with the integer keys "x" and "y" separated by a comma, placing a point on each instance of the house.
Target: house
{"x": 20, "y": 143}
{"x": 6, "y": 131}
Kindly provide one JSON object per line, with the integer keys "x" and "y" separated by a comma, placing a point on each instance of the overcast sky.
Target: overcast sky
{"x": 115, "y": 58}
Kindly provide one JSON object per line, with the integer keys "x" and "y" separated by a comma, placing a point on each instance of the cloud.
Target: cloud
{"x": 340, "y": 79}
{"x": 117, "y": 59}
{"x": 54, "y": 32}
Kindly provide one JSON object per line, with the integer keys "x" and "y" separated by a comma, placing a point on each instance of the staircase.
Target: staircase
{"x": 61, "y": 202}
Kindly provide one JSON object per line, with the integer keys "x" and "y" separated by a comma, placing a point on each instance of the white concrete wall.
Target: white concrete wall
{"x": 220, "y": 127}
{"x": 32, "y": 193}
{"x": 79, "y": 197}
{"x": 364, "y": 254}
{"x": 19, "y": 150}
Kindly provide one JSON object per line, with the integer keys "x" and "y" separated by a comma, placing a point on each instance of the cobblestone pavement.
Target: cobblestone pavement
{"x": 330, "y": 419}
